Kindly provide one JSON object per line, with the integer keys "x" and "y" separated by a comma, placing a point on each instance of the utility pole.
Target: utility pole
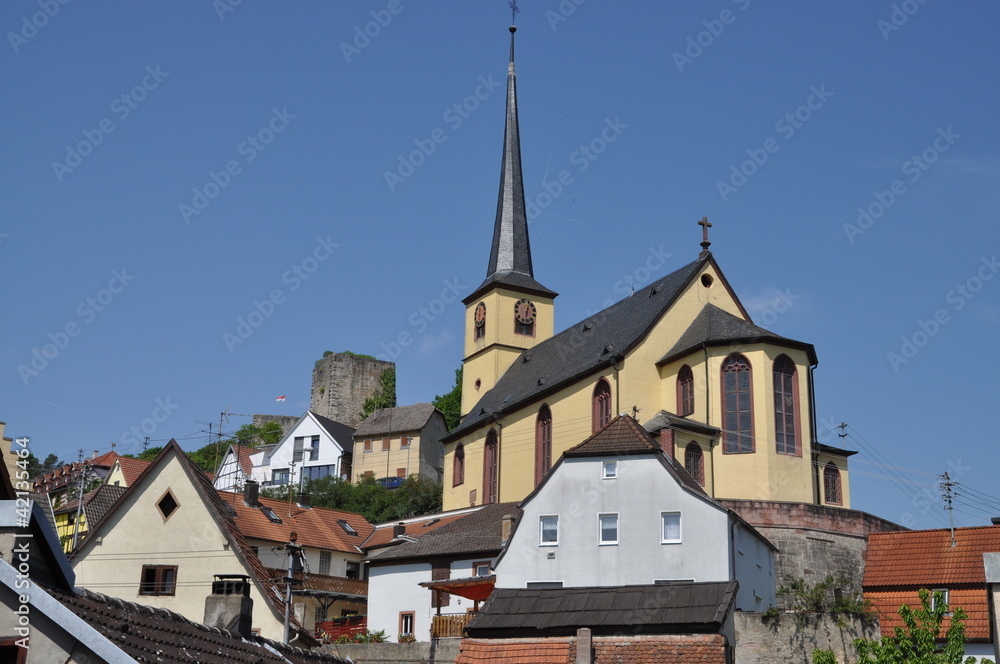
{"x": 79, "y": 501}
{"x": 294, "y": 563}
{"x": 947, "y": 493}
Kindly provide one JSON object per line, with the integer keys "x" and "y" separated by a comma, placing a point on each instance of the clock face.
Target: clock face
{"x": 524, "y": 311}
{"x": 480, "y": 314}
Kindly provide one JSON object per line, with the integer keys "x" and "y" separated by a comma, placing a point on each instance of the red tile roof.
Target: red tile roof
{"x": 132, "y": 468}
{"x": 316, "y": 527}
{"x": 972, "y": 600}
{"x": 925, "y": 558}
{"x": 383, "y": 532}
{"x": 515, "y": 651}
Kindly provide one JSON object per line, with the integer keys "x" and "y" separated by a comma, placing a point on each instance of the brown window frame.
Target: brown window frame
{"x": 413, "y": 622}
{"x": 833, "y": 491}
{"x": 733, "y": 441}
{"x": 368, "y": 445}
{"x": 491, "y": 468}
{"x": 685, "y": 391}
{"x": 543, "y": 443}
{"x": 601, "y": 404}
{"x": 158, "y": 582}
{"x": 386, "y": 444}
{"x": 694, "y": 462}
{"x": 786, "y": 398}
{"x": 458, "y": 466}
{"x": 440, "y": 571}
{"x": 404, "y": 441}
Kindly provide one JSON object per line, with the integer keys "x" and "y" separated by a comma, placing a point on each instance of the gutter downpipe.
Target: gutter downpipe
{"x": 813, "y": 454}
{"x": 708, "y": 417}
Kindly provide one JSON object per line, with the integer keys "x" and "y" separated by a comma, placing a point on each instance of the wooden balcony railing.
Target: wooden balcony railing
{"x": 449, "y": 624}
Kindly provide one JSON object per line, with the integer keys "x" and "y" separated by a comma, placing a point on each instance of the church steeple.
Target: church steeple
{"x": 510, "y": 254}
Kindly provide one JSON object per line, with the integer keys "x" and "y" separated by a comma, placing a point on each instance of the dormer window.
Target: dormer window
{"x": 348, "y": 528}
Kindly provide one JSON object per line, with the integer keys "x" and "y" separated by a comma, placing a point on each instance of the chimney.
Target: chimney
{"x": 995, "y": 521}
{"x": 506, "y": 525}
{"x": 250, "y": 493}
{"x": 667, "y": 441}
{"x": 584, "y": 646}
{"x": 397, "y": 530}
{"x": 230, "y": 606}
{"x": 304, "y": 500}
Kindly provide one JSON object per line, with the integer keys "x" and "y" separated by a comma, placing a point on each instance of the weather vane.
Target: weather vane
{"x": 514, "y": 10}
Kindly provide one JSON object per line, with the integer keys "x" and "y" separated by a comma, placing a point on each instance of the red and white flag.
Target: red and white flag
{"x": 281, "y": 398}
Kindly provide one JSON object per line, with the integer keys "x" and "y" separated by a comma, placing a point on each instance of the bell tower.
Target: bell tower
{"x": 510, "y": 311}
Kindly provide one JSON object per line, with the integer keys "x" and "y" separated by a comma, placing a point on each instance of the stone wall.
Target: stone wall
{"x": 340, "y": 384}
{"x": 792, "y": 638}
{"x": 813, "y": 540}
{"x": 439, "y": 651}
{"x": 286, "y": 422}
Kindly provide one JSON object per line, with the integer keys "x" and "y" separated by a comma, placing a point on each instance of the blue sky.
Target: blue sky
{"x": 327, "y": 172}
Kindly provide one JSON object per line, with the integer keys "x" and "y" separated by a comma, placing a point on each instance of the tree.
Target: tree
{"x": 414, "y": 497}
{"x": 251, "y": 435}
{"x": 917, "y": 643}
{"x": 36, "y": 467}
{"x": 384, "y": 395}
{"x": 451, "y": 403}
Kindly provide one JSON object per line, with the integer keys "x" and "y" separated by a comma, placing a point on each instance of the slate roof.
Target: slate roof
{"x": 316, "y": 527}
{"x": 338, "y": 431}
{"x": 661, "y": 609}
{"x": 579, "y": 350}
{"x": 476, "y": 533}
{"x": 97, "y": 503}
{"x": 395, "y": 420}
{"x": 925, "y": 558}
{"x": 383, "y": 533}
{"x": 714, "y": 327}
{"x": 150, "y": 634}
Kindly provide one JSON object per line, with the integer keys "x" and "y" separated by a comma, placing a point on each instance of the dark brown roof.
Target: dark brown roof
{"x": 665, "y": 419}
{"x": 621, "y": 436}
{"x": 475, "y": 533}
{"x": 338, "y": 431}
{"x": 97, "y": 503}
{"x": 650, "y": 609}
{"x": 157, "y": 635}
{"x": 383, "y": 534}
{"x": 715, "y": 327}
{"x": 395, "y": 420}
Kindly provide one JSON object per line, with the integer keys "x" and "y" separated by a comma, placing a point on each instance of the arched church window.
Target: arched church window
{"x": 491, "y": 468}
{"x": 737, "y": 405}
{"x": 602, "y": 404}
{"x": 685, "y": 391}
{"x": 785, "y": 393}
{"x": 831, "y": 485}
{"x": 543, "y": 444}
{"x": 458, "y": 466}
{"x": 694, "y": 462}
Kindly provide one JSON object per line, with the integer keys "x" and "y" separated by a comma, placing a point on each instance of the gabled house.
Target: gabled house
{"x": 313, "y": 448}
{"x": 617, "y": 510}
{"x": 73, "y": 520}
{"x": 394, "y": 443}
{"x": 166, "y": 542}
{"x": 900, "y": 563}
{"x": 427, "y": 586}
{"x": 235, "y": 468}
{"x": 125, "y": 471}
{"x": 60, "y": 483}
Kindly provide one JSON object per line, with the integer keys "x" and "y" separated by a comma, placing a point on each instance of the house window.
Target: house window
{"x": 314, "y": 449}
{"x": 368, "y": 444}
{"x": 609, "y": 470}
{"x": 481, "y": 568}
{"x": 458, "y": 466}
{"x": 297, "y": 449}
{"x": 406, "y": 619}
{"x": 671, "y": 527}
{"x": 694, "y": 462}
{"x": 167, "y": 505}
{"x": 401, "y": 472}
{"x": 440, "y": 572}
{"x": 324, "y": 563}
{"x": 385, "y": 444}
{"x": 548, "y": 530}
{"x": 319, "y": 615}
{"x": 602, "y": 404}
{"x": 158, "y": 580}
{"x": 491, "y": 468}
{"x": 737, "y": 405}
{"x": 543, "y": 444}
{"x": 404, "y": 441}
{"x": 831, "y": 484}
{"x": 942, "y": 594}
{"x": 685, "y": 391}
{"x": 353, "y": 570}
{"x": 312, "y": 473}
{"x": 784, "y": 405}
{"x": 608, "y": 527}
{"x": 279, "y": 476}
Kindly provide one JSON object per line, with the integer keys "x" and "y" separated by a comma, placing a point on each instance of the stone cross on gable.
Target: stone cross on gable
{"x": 705, "y": 225}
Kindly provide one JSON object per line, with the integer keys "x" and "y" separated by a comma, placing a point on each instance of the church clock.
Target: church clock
{"x": 524, "y": 312}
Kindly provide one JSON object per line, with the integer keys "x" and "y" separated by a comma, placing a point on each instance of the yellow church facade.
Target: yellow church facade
{"x": 730, "y": 400}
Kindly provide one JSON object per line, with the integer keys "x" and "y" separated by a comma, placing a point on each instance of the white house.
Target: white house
{"x": 313, "y": 448}
{"x": 616, "y": 511}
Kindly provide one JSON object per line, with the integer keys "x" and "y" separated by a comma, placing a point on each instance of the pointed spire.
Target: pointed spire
{"x": 510, "y": 256}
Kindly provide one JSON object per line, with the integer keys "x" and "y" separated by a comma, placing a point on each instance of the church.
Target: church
{"x": 732, "y": 401}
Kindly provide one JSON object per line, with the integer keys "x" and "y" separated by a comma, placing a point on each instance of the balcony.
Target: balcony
{"x": 448, "y": 625}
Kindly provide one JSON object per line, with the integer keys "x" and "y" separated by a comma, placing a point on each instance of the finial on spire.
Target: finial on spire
{"x": 514, "y": 11}
{"x": 705, "y": 244}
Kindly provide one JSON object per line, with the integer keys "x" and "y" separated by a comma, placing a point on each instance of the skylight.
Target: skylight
{"x": 348, "y": 528}
{"x": 269, "y": 513}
